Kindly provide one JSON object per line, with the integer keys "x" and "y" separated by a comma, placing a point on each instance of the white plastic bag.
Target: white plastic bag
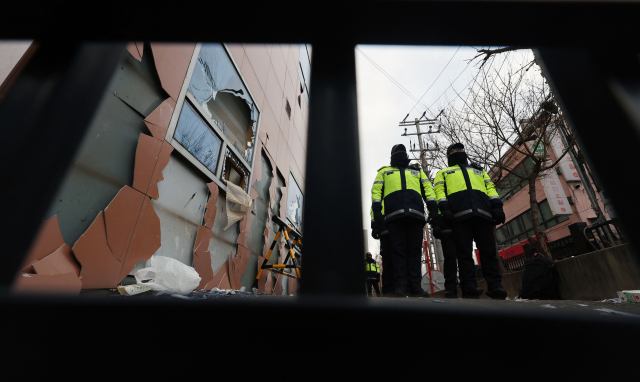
{"x": 238, "y": 203}
{"x": 164, "y": 274}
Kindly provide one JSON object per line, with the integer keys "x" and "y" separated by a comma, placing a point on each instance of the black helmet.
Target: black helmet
{"x": 455, "y": 148}
{"x": 398, "y": 148}
{"x": 368, "y": 254}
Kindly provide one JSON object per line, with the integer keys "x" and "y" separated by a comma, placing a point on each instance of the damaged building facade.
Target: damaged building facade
{"x": 178, "y": 125}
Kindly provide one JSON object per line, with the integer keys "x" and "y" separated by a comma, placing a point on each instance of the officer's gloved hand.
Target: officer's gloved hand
{"x": 374, "y": 232}
{"x": 447, "y": 216}
{"x": 437, "y": 231}
{"x": 498, "y": 215}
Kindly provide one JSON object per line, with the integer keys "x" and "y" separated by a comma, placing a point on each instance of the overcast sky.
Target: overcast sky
{"x": 382, "y": 104}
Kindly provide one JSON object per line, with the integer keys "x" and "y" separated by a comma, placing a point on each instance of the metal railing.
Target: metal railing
{"x": 603, "y": 235}
{"x": 514, "y": 263}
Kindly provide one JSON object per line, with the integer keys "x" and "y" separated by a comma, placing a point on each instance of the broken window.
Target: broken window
{"x": 235, "y": 172}
{"x": 195, "y": 135}
{"x": 295, "y": 201}
{"x": 217, "y": 86}
{"x": 304, "y": 70}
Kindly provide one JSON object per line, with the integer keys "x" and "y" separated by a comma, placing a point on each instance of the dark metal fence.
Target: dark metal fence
{"x": 604, "y": 235}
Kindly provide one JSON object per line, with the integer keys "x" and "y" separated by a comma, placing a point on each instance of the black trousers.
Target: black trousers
{"x": 373, "y": 283}
{"x": 480, "y": 231}
{"x": 406, "y": 236}
{"x": 388, "y": 277}
{"x": 450, "y": 260}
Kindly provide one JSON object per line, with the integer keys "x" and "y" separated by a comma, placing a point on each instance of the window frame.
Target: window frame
{"x": 301, "y": 193}
{"x": 186, "y": 96}
{"x": 515, "y": 238}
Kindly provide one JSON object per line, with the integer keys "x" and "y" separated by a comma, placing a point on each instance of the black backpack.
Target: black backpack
{"x": 539, "y": 280}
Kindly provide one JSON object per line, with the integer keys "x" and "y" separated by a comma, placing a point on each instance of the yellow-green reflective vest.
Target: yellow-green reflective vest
{"x": 402, "y": 191}
{"x": 371, "y": 267}
{"x": 466, "y": 191}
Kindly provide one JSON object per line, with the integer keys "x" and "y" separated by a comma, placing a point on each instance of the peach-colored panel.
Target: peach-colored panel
{"x": 237, "y": 52}
{"x": 252, "y": 83}
{"x": 297, "y": 151}
{"x": 290, "y": 94}
{"x": 47, "y": 240}
{"x": 234, "y": 280}
{"x": 268, "y": 285}
{"x": 286, "y": 48}
{"x": 259, "y": 58}
{"x": 98, "y": 267}
{"x": 120, "y": 217}
{"x": 278, "y": 289}
{"x": 519, "y": 202}
{"x": 133, "y": 50}
{"x": 263, "y": 277}
{"x": 211, "y": 209}
{"x": 293, "y": 285}
{"x": 279, "y": 63}
{"x": 66, "y": 283}
{"x": 172, "y": 63}
{"x": 140, "y": 46}
{"x": 59, "y": 262}
{"x": 161, "y": 117}
{"x": 146, "y": 238}
{"x": 283, "y": 157}
{"x": 267, "y": 243}
{"x": 202, "y": 257}
{"x": 147, "y": 154}
{"x": 274, "y": 94}
{"x": 269, "y": 130}
{"x": 163, "y": 161}
{"x": 220, "y": 279}
{"x": 283, "y": 208}
{"x": 293, "y": 60}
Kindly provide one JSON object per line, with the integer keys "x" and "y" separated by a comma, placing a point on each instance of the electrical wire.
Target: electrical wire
{"x": 404, "y": 90}
{"x": 434, "y": 81}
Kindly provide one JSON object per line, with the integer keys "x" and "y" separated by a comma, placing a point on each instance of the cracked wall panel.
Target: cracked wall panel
{"x": 137, "y": 84}
{"x": 224, "y": 241}
{"x": 234, "y": 280}
{"x": 58, "y": 284}
{"x": 47, "y": 241}
{"x": 59, "y": 262}
{"x": 202, "y": 257}
{"x": 180, "y": 208}
{"x": 277, "y": 290}
{"x": 146, "y": 239}
{"x": 104, "y": 163}
{"x": 172, "y": 62}
{"x": 133, "y": 50}
{"x": 147, "y": 154}
{"x": 163, "y": 161}
{"x": 211, "y": 209}
{"x": 140, "y": 47}
{"x": 158, "y": 121}
{"x": 99, "y": 268}
{"x": 221, "y": 279}
{"x": 268, "y": 284}
{"x": 293, "y": 285}
{"x": 263, "y": 277}
{"x": 120, "y": 217}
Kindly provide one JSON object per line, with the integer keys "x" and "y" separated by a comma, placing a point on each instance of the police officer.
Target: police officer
{"x": 388, "y": 280}
{"x": 471, "y": 206}
{"x": 444, "y": 233}
{"x": 372, "y": 273}
{"x": 403, "y": 188}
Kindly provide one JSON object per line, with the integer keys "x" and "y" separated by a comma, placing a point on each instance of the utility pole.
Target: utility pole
{"x": 423, "y": 162}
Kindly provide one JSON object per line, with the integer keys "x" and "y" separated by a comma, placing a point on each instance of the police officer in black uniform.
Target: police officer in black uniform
{"x": 388, "y": 280}
{"x": 444, "y": 233}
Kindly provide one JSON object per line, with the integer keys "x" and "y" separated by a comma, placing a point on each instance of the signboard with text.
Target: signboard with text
{"x": 555, "y": 193}
{"x": 567, "y": 167}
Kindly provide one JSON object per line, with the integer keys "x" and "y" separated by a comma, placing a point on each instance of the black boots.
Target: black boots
{"x": 401, "y": 291}
{"x": 417, "y": 291}
{"x": 497, "y": 294}
{"x": 451, "y": 294}
{"x": 471, "y": 292}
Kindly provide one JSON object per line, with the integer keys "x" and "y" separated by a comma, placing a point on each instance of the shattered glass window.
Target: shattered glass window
{"x": 294, "y": 202}
{"x": 219, "y": 89}
{"x": 195, "y": 135}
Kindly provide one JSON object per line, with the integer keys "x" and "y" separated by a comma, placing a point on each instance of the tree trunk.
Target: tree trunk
{"x": 535, "y": 221}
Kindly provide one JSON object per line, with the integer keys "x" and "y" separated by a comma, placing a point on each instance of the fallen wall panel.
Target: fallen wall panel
{"x": 121, "y": 216}
{"x": 145, "y": 241}
{"x": 60, "y": 284}
{"x": 99, "y": 268}
{"x": 48, "y": 239}
{"x": 59, "y": 262}
{"x": 202, "y": 257}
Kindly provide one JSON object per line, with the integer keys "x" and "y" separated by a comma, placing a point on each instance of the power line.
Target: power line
{"x": 404, "y": 90}
{"x": 434, "y": 81}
